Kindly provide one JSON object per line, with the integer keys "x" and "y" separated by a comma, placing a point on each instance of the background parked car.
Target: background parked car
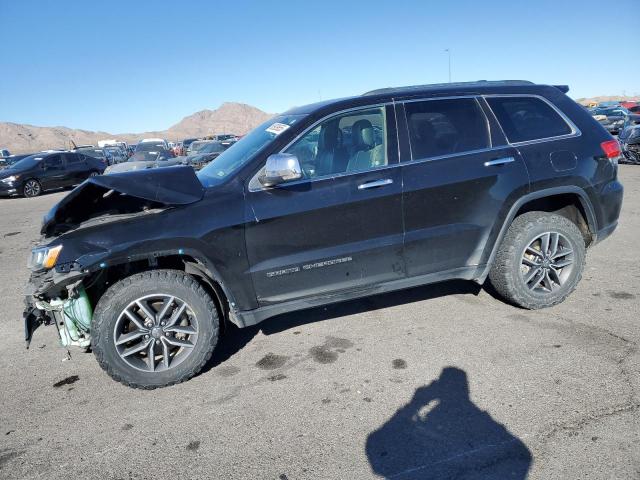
{"x": 48, "y": 170}
{"x": 195, "y": 147}
{"x": 159, "y": 157}
{"x": 92, "y": 151}
{"x": 611, "y": 118}
{"x": 629, "y": 139}
{"x": 115, "y": 154}
{"x": 185, "y": 145}
{"x": 4, "y": 153}
{"x": 148, "y": 144}
{"x": 204, "y": 155}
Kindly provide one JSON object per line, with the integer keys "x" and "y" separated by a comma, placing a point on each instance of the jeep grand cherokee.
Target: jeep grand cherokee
{"x": 507, "y": 180}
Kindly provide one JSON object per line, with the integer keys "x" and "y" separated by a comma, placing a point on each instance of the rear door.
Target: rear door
{"x": 77, "y": 168}
{"x": 460, "y": 179}
{"x": 340, "y": 227}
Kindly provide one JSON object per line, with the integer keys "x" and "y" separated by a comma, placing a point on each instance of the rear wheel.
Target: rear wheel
{"x": 540, "y": 260}
{"x": 154, "y": 329}
{"x": 32, "y": 188}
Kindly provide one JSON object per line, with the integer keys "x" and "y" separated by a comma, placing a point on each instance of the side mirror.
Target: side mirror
{"x": 280, "y": 168}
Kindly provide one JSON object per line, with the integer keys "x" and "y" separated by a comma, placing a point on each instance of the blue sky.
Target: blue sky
{"x": 131, "y": 66}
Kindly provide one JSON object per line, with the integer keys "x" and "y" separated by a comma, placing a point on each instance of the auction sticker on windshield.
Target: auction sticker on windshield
{"x": 277, "y": 128}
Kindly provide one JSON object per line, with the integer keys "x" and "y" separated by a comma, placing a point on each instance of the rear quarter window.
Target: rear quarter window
{"x": 527, "y": 118}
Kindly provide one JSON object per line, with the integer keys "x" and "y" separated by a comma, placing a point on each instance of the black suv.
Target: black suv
{"x": 36, "y": 173}
{"x": 507, "y": 180}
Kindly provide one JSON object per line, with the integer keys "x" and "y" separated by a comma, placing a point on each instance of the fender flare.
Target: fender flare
{"x": 547, "y": 192}
{"x": 202, "y": 267}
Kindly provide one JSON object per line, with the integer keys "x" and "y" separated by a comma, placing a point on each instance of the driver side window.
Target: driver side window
{"x": 349, "y": 142}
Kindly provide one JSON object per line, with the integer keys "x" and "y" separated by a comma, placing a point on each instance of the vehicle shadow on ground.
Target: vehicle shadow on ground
{"x": 441, "y": 433}
{"x": 235, "y": 339}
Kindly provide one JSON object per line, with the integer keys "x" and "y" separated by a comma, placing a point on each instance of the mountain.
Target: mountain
{"x": 230, "y": 117}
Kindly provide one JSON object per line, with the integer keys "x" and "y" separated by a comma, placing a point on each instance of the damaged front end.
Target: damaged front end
{"x": 53, "y": 301}
{"x": 56, "y": 293}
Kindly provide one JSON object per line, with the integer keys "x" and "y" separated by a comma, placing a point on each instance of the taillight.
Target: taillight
{"x": 611, "y": 148}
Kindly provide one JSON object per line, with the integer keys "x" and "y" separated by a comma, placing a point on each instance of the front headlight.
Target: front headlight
{"x": 10, "y": 179}
{"x": 44, "y": 257}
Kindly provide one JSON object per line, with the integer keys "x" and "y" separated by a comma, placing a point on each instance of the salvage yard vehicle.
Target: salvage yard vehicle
{"x": 630, "y": 140}
{"x": 144, "y": 159}
{"x": 611, "y": 118}
{"x": 204, "y": 155}
{"x": 508, "y": 181}
{"x": 46, "y": 171}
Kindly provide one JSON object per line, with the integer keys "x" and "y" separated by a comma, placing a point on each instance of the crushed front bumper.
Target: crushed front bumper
{"x": 48, "y": 295}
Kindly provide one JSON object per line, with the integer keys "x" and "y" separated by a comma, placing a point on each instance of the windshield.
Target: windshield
{"x": 243, "y": 150}
{"x": 27, "y": 162}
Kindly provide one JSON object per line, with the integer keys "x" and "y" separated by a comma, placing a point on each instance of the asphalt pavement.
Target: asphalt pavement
{"x": 443, "y": 381}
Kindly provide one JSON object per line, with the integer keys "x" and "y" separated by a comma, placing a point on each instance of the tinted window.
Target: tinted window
{"x": 445, "y": 127}
{"x": 527, "y": 118}
{"x": 351, "y": 142}
{"x": 54, "y": 161}
{"x": 73, "y": 158}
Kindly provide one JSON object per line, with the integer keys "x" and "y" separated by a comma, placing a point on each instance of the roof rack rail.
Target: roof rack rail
{"x": 479, "y": 83}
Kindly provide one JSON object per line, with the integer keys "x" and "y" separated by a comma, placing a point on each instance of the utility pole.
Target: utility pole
{"x": 449, "y": 54}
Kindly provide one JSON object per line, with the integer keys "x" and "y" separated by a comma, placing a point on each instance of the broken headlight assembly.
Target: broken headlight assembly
{"x": 44, "y": 258}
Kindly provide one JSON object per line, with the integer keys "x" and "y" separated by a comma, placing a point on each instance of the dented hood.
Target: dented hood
{"x": 124, "y": 193}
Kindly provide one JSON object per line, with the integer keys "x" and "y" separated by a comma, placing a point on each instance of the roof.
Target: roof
{"x": 448, "y": 86}
{"x": 399, "y": 93}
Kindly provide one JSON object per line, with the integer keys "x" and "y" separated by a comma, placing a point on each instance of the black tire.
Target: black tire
{"x": 508, "y": 271}
{"x": 117, "y": 298}
{"x": 31, "y": 188}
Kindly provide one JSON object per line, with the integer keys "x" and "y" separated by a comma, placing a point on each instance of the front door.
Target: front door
{"x": 459, "y": 181}
{"x": 340, "y": 227}
{"x": 54, "y": 172}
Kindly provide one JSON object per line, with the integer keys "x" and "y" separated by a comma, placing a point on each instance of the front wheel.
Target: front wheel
{"x": 32, "y": 188}
{"x": 540, "y": 260}
{"x": 154, "y": 329}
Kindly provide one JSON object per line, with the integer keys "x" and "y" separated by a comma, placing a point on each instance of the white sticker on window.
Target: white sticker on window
{"x": 277, "y": 128}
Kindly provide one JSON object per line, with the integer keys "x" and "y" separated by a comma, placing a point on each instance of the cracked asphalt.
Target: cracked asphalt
{"x": 442, "y": 381}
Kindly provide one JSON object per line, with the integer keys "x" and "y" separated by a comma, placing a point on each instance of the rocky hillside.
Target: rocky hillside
{"x": 236, "y": 118}
{"x": 608, "y": 98}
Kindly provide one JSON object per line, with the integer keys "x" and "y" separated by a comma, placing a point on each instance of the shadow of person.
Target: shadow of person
{"x": 440, "y": 433}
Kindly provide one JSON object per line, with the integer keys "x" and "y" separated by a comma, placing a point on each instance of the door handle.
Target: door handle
{"x": 499, "y": 161}
{"x": 375, "y": 184}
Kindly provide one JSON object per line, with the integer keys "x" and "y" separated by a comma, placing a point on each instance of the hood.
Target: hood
{"x": 123, "y": 193}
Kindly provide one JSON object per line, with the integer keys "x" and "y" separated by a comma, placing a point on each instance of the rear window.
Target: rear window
{"x": 527, "y": 118}
{"x": 446, "y": 127}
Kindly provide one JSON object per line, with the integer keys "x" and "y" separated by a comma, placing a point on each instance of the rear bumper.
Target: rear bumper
{"x": 610, "y": 202}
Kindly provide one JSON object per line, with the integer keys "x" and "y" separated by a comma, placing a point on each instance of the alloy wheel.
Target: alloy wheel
{"x": 547, "y": 262}
{"x": 155, "y": 333}
{"x": 31, "y": 188}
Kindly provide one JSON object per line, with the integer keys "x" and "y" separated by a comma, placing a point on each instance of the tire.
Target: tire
{"x": 515, "y": 262}
{"x": 31, "y": 188}
{"x": 111, "y": 325}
